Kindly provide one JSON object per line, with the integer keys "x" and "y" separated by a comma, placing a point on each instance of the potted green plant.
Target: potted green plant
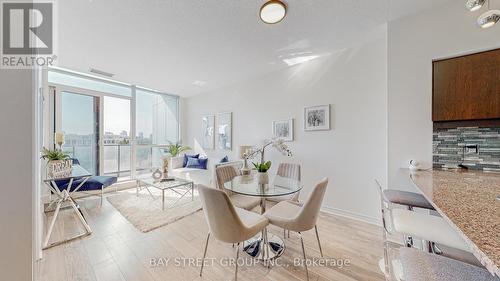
{"x": 262, "y": 168}
{"x": 59, "y": 164}
{"x": 174, "y": 149}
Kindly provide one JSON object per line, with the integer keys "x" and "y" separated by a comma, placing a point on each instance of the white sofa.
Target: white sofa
{"x": 198, "y": 176}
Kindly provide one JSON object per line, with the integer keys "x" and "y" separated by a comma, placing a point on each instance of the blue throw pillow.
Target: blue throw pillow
{"x": 186, "y": 158}
{"x": 197, "y": 163}
{"x": 192, "y": 162}
{"x": 203, "y": 163}
{"x": 224, "y": 160}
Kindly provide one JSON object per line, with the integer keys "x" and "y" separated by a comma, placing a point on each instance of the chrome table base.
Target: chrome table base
{"x": 264, "y": 247}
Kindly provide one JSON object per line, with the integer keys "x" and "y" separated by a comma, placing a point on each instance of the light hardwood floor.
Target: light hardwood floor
{"x": 118, "y": 251}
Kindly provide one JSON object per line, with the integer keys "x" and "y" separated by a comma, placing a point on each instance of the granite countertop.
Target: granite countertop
{"x": 468, "y": 200}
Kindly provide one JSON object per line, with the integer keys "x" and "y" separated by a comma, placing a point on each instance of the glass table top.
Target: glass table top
{"x": 251, "y": 185}
{"x": 77, "y": 172}
{"x": 175, "y": 182}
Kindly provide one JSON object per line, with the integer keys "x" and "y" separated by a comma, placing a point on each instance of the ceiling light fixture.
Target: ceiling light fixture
{"x": 474, "y": 5}
{"x": 489, "y": 18}
{"x": 273, "y": 11}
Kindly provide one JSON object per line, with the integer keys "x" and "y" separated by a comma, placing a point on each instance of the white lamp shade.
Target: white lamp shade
{"x": 244, "y": 149}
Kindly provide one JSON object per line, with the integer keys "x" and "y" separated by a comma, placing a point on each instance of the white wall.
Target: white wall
{"x": 352, "y": 154}
{"x": 413, "y": 42}
{"x": 16, "y": 174}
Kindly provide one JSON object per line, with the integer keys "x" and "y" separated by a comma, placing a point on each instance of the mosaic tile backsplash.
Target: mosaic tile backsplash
{"x": 452, "y": 147}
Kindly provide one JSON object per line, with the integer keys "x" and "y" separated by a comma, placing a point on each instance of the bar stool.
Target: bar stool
{"x": 406, "y": 198}
{"x": 420, "y": 266}
{"x": 418, "y": 225}
{"x": 427, "y": 227}
{"x": 409, "y": 199}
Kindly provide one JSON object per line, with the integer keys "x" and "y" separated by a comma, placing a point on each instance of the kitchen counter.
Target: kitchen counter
{"x": 468, "y": 201}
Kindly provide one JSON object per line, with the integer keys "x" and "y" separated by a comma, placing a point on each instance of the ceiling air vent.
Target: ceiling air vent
{"x": 100, "y": 72}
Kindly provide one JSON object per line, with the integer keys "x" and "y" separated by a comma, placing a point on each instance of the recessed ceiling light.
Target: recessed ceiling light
{"x": 474, "y": 5}
{"x": 199, "y": 83}
{"x": 273, "y": 11}
{"x": 489, "y": 18}
{"x": 298, "y": 60}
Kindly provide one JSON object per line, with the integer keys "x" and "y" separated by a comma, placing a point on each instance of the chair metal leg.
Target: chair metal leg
{"x": 102, "y": 193}
{"x": 236, "y": 262}
{"x": 319, "y": 243}
{"x": 284, "y": 233}
{"x": 304, "y": 255}
{"x": 204, "y": 254}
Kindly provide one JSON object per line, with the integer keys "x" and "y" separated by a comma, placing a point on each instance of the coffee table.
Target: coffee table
{"x": 180, "y": 186}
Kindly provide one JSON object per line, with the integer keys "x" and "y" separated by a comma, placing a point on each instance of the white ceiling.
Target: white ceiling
{"x": 170, "y": 44}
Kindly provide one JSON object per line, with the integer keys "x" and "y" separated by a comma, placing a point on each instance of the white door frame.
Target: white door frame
{"x": 100, "y": 96}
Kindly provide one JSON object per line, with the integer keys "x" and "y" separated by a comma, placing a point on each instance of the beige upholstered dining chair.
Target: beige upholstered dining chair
{"x": 300, "y": 217}
{"x": 226, "y": 173}
{"x": 226, "y": 222}
{"x": 288, "y": 170}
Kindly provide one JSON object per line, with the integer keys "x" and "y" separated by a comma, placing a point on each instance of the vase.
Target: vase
{"x": 262, "y": 178}
{"x": 157, "y": 174}
{"x": 59, "y": 168}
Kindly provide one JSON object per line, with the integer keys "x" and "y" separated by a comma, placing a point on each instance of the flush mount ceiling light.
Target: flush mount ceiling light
{"x": 489, "y": 18}
{"x": 474, "y": 5}
{"x": 273, "y": 11}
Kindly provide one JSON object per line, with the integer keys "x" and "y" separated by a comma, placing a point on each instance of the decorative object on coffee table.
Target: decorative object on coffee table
{"x": 157, "y": 174}
{"x": 165, "y": 168}
{"x": 283, "y": 129}
{"x": 317, "y": 118}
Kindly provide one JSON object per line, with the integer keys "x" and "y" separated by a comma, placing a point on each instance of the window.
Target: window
{"x": 100, "y": 110}
{"x": 157, "y": 125}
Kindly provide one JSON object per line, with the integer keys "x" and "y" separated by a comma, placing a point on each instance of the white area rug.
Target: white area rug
{"x": 145, "y": 213}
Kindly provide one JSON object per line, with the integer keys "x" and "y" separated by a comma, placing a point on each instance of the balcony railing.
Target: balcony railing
{"x": 117, "y": 158}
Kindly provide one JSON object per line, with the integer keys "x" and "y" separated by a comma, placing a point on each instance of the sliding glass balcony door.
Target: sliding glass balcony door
{"x": 79, "y": 120}
{"x": 113, "y": 128}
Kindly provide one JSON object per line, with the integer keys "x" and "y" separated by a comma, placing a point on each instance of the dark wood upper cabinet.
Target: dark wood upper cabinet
{"x": 467, "y": 87}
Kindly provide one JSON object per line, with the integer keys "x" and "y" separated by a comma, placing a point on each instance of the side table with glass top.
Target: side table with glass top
{"x": 265, "y": 246}
{"x": 64, "y": 196}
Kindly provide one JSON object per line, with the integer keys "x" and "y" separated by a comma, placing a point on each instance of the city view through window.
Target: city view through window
{"x": 84, "y": 117}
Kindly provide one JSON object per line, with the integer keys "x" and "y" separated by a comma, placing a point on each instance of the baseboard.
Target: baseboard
{"x": 351, "y": 215}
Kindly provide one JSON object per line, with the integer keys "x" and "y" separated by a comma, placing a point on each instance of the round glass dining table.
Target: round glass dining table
{"x": 264, "y": 246}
